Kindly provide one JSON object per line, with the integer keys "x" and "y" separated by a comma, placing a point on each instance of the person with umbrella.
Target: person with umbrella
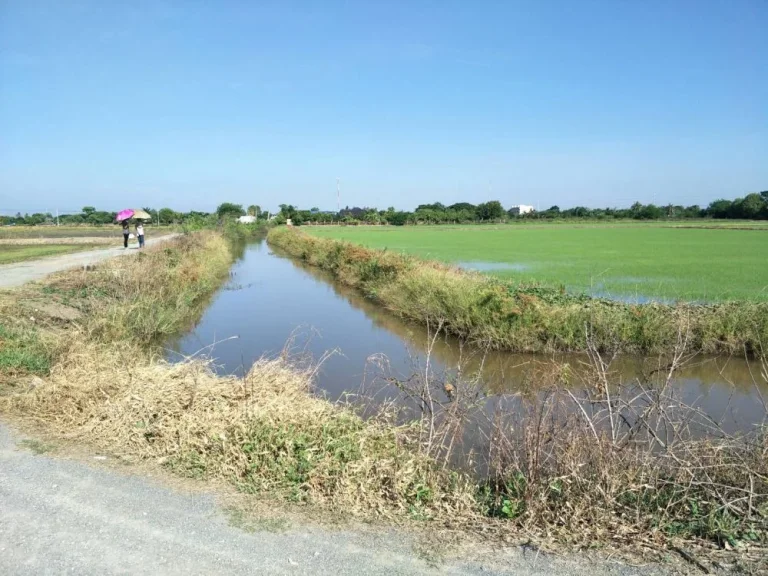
{"x": 125, "y": 215}
{"x": 126, "y": 233}
{"x": 140, "y": 233}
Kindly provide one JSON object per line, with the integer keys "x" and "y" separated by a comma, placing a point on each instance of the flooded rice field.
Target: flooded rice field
{"x": 272, "y": 300}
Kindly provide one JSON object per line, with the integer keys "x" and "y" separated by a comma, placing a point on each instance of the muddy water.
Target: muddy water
{"x": 271, "y": 299}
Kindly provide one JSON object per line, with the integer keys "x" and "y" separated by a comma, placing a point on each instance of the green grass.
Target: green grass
{"x": 522, "y": 316}
{"x": 37, "y": 446}
{"x": 13, "y": 232}
{"x": 23, "y": 252}
{"x": 105, "y": 231}
{"x": 21, "y": 352}
{"x": 628, "y": 261}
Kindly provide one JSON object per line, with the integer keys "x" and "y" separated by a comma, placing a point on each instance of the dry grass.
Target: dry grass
{"x": 264, "y": 433}
{"x": 580, "y": 466}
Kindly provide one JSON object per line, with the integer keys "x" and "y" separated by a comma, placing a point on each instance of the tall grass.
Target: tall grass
{"x": 507, "y": 315}
{"x": 142, "y": 299}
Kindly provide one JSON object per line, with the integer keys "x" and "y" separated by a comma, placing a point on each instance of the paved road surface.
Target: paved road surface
{"x": 62, "y": 516}
{"x": 12, "y": 275}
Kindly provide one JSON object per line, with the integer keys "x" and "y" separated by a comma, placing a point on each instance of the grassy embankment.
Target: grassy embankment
{"x": 632, "y": 262}
{"x": 88, "y": 337}
{"x": 526, "y": 316}
{"x": 77, "y": 361}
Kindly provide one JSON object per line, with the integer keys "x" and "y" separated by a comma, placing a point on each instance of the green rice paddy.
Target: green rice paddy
{"x": 628, "y": 262}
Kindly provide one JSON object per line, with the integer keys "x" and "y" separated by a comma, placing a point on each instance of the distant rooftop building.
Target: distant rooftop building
{"x": 247, "y": 219}
{"x": 521, "y": 209}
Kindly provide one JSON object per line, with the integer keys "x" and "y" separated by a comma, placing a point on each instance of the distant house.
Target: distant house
{"x": 521, "y": 209}
{"x": 247, "y": 219}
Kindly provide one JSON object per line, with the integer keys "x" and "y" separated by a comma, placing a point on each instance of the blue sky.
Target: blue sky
{"x": 192, "y": 103}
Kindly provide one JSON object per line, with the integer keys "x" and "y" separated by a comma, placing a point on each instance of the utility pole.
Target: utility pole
{"x": 338, "y": 195}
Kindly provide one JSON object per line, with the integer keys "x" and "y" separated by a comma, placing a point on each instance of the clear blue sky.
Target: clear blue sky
{"x": 190, "y": 103}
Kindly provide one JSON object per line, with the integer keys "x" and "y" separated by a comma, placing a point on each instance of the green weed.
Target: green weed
{"x": 22, "y": 352}
{"x": 37, "y": 446}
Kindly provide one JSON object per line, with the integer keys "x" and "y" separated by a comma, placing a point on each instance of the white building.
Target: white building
{"x": 247, "y": 219}
{"x": 521, "y": 209}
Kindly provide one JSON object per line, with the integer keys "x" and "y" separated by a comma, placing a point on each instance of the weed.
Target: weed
{"x": 251, "y": 523}
{"x": 22, "y": 352}
{"x": 37, "y": 446}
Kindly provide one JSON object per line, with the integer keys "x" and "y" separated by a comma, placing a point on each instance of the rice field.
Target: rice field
{"x": 10, "y": 253}
{"x": 635, "y": 263}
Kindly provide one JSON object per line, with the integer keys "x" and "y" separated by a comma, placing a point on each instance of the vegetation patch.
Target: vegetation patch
{"x": 526, "y": 316}
{"x": 575, "y": 470}
{"x": 37, "y": 446}
{"x": 22, "y": 252}
{"x": 22, "y": 352}
{"x": 630, "y": 262}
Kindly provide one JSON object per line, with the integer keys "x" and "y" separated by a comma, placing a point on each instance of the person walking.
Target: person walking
{"x": 140, "y": 233}
{"x": 126, "y": 233}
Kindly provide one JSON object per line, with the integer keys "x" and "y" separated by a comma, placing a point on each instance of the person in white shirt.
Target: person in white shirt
{"x": 140, "y": 234}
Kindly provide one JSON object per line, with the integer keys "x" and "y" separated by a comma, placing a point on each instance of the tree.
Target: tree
{"x": 254, "y": 210}
{"x": 229, "y": 210}
{"x": 459, "y": 206}
{"x": 751, "y": 206}
{"x": 398, "y": 218}
{"x": 492, "y": 210}
{"x": 88, "y": 210}
{"x": 166, "y": 216}
{"x": 720, "y": 209}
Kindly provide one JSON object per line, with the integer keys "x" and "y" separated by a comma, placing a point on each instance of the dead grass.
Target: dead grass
{"x": 264, "y": 433}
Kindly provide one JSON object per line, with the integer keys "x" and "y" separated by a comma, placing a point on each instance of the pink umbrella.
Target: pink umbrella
{"x": 124, "y": 214}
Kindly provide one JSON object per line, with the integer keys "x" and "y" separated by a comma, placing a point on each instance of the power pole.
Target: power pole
{"x": 338, "y": 195}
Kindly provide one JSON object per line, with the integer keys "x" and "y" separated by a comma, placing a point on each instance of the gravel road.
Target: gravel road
{"x": 12, "y": 275}
{"x": 64, "y": 516}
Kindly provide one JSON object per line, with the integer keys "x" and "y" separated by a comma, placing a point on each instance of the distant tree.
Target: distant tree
{"x": 398, "y": 218}
{"x": 166, "y": 216}
{"x": 88, "y": 210}
{"x": 650, "y": 212}
{"x": 720, "y": 209}
{"x": 254, "y": 210}
{"x": 492, "y": 210}
{"x": 751, "y": 206}
{"x": 462, "y": 206}
{"x": 229, "y": 210}
{"x": 435, "y": 206}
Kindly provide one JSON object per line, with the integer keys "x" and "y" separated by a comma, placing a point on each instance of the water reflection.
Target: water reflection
{"x": 270, "y": 296}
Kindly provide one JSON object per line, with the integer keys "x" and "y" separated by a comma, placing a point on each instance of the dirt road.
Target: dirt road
{"x": 12, "y": 275}
{"x": 66, "y": 516}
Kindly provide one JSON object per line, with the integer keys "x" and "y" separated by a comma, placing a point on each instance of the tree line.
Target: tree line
{"x": 753, "y": 206}
{"x": 89, "y": 215}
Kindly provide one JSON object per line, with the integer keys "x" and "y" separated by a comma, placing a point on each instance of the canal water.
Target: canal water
{"x": 271, "y": 300}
